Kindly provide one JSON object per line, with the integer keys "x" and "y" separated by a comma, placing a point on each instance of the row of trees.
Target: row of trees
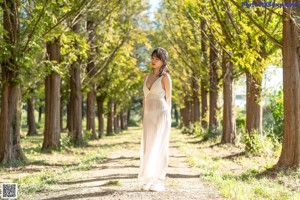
{"x": 56, "y": 52}
{"x": 215, "y": 42}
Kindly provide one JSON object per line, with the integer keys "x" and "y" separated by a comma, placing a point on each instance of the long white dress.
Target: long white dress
{"x": 154, "y": 149}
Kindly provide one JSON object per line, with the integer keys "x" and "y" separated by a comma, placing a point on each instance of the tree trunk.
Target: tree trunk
{"x": 109, "y": 129}
{"x": 31, "y": 117}
{"x": 253, "y": 104}
{"x": 196, "y": 102}
{"x": 68, "y": 125}
{"x": 213, "y": 92}
{"x": 228, "y": 134}
{"x": 10, "y": 123}
{"x": 100, "y": 103}
{"x": 119, "y": 122}
{"x": 90, "y": 125}
{"x": 40, "y": 114}
{"x": 61, "y": 117}
{"x": 122, "y": 120}
{"x": 10, "y": 116}
{"x": 91, "y": 96}
{"x": 204, "y": 106}
{"x": 125, "y": 120}
{"x": 128, "y": 115}
{"x": 116, "y": 119}
{"x": 52, "y": 100}
{"x": 76, "y": 98}
{"x": 185, "y": 112}
{"x": 176, "y": 114}
{"x": 290, "y": 155}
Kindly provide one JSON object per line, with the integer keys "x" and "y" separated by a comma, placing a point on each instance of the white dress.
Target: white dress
{"x": 154, "y": 149}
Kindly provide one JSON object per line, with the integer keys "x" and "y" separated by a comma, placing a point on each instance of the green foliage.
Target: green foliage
{"x": 264, "y": 143}
{"x": 87, "y": 135}
{"x": 276, "y": 105}
{"x": 212, "y": 134}
{"x": 65, "y": 141}
{"x": 240, "y": 119}
{"x": 192, "y": 129}
{"x": 205, "y": 134}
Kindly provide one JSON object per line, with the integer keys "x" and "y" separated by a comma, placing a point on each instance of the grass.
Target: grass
{"x": 237, "y": 174}
{"x": 112, "y": 183}
{"x": 48, "y": 169}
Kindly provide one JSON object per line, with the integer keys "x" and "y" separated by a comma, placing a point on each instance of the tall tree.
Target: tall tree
{"x": 91, "y": 70}
{"x": 214, "y": 89}
{"x": 76, "y": 94}
{"x": 10, "y": 117}
{"x": 290, "y": 155}
{"x": 52, "y": 99}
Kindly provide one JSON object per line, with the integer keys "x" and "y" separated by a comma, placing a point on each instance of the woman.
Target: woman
{"x": 154, "y": 151}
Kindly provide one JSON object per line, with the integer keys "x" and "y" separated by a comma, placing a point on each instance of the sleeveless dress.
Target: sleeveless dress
{"x": 154, "y": 148}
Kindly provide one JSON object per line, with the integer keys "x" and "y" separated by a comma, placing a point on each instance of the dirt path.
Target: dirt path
{"x": 182, "y": 182}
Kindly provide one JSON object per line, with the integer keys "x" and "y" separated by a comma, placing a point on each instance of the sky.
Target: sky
{"x": 154, "y": 5}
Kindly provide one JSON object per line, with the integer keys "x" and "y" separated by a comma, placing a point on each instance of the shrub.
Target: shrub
{"x": 276, "y": 106}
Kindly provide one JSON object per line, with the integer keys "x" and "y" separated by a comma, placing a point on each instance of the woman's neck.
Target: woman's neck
{"x": 156, "y": 72}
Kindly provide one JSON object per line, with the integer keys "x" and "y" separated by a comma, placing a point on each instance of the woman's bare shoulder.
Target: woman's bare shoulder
{"x": 166, "y": 77}
{"x": 145, "y": 77}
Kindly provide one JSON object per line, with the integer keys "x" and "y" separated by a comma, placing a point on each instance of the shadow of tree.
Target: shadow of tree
{"x": 233, "y": 156}
{"x": 83, "y": 196}
{"x": 102, "y": 178}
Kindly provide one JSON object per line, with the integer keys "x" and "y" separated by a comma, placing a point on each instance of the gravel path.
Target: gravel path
{"x": 182, "y": 181}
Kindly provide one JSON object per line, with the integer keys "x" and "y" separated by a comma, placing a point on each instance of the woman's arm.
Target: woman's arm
{"x": 144, "y": 98}
{"x": 167, "y": 82}
{"x": 144, "y": 101}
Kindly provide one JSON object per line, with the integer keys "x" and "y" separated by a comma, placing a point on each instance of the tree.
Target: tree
{"x": 75, "y": 128}
{"x": 290, "y": 155}
{"x": 52, "y": 99}
{"x": 10, "y": 117}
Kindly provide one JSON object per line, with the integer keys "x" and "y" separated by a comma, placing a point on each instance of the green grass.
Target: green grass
{"x": 112, "y": 183}
{"x": 236, "y": 174}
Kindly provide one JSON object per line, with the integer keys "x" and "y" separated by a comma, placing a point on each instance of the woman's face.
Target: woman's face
{"x": 156, "y": 62}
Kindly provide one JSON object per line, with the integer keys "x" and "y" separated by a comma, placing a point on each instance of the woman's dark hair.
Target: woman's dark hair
{"x": 162, "y": 55}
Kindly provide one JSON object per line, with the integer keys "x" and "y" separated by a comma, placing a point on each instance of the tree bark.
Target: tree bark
{"x": 176, "y": 115}
{"x": 228, "y": 134}
{"x": 40, "y": 114}
{"x": 10, "y": 116}
{"x": 68, "y": 125}
{"x": 213, "y": 92}
{"x": 109, "y": 129}
{"x": 91, "y": 96}
{"x": 204, "y": 92}
{"x": 90, "y": 126}
{"x": 186, "y": 112}
{"x": 196, "y": 101}
{"x": 122, "y": 122}
{"x": 61, "y": 117}
{"x": 31, "y": 117}
{"x": 52, "y": 100}
{"x": 116, "y": 118}
{"x": 76, "y": 98}
{"x": 290, "y": 155}
{"x": 204, "y": 105}
{"x": 100, "y": 103}
{"x": 253, "y": 104}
